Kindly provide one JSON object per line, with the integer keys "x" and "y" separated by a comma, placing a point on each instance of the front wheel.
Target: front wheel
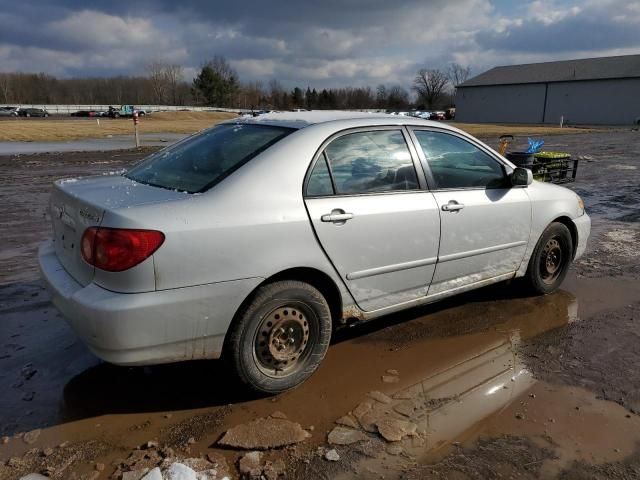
{"x": 280, "y": 337}
{"x": 551, "y": 259}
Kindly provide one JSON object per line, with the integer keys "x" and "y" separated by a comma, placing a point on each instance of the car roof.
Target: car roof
{"x": 304, "y": 119}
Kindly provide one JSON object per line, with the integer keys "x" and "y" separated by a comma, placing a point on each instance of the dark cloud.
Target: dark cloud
{"x": 575, "y": 34}
{"x": 318, "y": 43}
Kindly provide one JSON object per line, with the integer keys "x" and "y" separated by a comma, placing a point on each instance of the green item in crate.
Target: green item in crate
{"x": 552, "y": 160}
{"x": 552, "y": 156}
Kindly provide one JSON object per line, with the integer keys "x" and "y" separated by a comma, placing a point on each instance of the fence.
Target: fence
{"x": 69, "y": 109}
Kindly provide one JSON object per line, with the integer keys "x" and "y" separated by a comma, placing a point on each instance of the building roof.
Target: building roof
{"x": 625, "y": 66}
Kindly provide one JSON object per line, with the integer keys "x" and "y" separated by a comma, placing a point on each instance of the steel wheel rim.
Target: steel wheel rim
{"x": 551, "y": 261}
{"x": 283, "y": 340}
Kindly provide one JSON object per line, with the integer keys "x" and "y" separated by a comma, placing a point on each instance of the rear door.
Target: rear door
{"x": 373, "y": 217}
{"x": 485, "y": 222}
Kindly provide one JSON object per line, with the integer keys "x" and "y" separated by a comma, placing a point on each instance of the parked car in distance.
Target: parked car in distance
{"x": 85, "y": 113}
{"x": 32, "y": 112}
{"x": 124, "y": 111}
{"x": 8, "y": 112}
{"x": 255, "y": 239}
{"x": 438, "y": 115}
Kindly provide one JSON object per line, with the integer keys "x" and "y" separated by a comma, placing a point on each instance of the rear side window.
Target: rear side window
{"x": 376, "y": 161}
{"x": 199, "y": 162}
{"x": 320, "y": 179}
{"x": 456, "y": 163}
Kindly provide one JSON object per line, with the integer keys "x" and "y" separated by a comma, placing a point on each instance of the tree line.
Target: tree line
{"x": 217, "y": 84}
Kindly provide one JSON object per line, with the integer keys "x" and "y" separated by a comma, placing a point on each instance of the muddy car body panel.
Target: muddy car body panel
{"x": 556, "y": 203}
{"x": 147, "y": 327}
{"x": 379, "y": 251}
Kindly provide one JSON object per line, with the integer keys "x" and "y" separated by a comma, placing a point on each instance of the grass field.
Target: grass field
{"x": 35, "y": 130}
{"x": 490, "y": 130}
{"x": 40, "y": 130}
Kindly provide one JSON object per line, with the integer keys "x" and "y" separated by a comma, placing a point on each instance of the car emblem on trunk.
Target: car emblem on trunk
{"x": 84, "y": 213}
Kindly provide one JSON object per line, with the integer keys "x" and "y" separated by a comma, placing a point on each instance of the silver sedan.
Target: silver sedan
{"x": 255, "y": 239}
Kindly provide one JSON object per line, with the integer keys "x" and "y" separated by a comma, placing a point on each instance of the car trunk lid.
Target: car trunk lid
{"x": 77, "y": 204}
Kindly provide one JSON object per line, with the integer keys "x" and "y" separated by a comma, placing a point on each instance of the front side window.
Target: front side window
{"x": 376, "y": 161}
{"x": 456, "y": 163}
{"x": 199, "y": 162}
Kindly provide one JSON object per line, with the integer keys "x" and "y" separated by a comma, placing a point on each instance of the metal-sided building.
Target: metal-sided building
{"x": 603, "y": 91}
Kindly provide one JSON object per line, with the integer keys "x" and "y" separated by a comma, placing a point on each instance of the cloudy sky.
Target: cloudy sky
{"x": 309, "y": 42}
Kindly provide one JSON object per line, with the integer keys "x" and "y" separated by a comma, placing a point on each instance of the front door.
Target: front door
{"x": 485, "y": 223}
{"x": 378, "y": 225}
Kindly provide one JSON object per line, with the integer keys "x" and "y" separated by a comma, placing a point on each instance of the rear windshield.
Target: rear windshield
{"x": 199, "y": 162}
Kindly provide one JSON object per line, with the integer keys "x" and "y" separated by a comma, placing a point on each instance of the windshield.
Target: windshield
{"x": 201, "y": 161}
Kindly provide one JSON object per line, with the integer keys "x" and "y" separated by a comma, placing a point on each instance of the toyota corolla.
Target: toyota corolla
{"x": 255, "y": 239}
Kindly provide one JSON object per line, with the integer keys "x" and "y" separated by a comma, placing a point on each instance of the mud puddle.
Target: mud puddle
{"x": 448, "y": 369}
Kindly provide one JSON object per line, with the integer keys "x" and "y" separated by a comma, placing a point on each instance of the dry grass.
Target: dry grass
{"x": 38, "y": 130}
{"x": 491, "y": 130}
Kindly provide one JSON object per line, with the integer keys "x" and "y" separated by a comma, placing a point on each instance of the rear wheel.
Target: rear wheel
{"x": 551, "y": 259}
{"x": 280, "y": 337}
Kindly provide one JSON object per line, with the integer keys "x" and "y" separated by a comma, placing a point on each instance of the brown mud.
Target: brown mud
{"x": 497, "y": 383}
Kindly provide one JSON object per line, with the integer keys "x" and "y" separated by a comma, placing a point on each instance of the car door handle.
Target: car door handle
{"x": 337, "y": 216}
{"x": 452, "y": 206}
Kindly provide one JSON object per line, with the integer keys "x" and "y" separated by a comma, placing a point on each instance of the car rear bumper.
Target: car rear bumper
{"x": 145, "y": 328}
{"x": 583, "y": 226}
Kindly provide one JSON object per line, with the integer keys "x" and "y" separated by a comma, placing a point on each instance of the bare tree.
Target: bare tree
{"x": 173, "y": 78}
{"x": 458, "y": 74}
{"x": 275, "y": 93}
{"x": 398, "y": 98}
{"x": 381, "y": 96}
{"x": 157, "y": 76}
{"x": 165, "y": 79}
{"x": 5, "y": 86}
{"x": 430, "y": 85}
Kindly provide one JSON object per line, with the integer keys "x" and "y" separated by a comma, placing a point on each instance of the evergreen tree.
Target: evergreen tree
{"x": 217, "y": 83}
{"x": 296, "y": 98}
{"x": 307, "y": 99}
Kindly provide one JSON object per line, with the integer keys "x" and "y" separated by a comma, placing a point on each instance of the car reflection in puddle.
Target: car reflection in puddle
{"x": 474, "y": 375}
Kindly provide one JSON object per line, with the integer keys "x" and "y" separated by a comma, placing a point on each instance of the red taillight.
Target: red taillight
{"x": 118, "y": 249}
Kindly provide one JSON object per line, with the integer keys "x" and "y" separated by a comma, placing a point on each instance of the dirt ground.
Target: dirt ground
{"x": 490, "y": 384}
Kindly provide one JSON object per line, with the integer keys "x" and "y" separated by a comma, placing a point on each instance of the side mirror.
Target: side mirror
{"x": 521, "y": 177}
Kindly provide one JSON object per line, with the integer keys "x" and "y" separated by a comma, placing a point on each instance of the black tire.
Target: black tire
{"x": 551, "y": 259}
{"x": 288, "y": 314}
